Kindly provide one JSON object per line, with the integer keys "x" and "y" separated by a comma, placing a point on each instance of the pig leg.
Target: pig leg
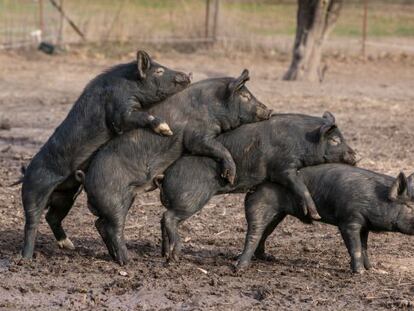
{"x": 260, "y": 250}
{"x": 204, "y": 145}
{"x": 37, "y": 187}
{"x": 183, "y": 198}
{"x": 144, "y": 119}
{"x": 294, "y": 182}
{"x": 59, "y": 206}
{"x": 128, "y": 117}
{"x": 111, "y": 231}
{"x": 112, "y": 210}
{"x": 173, "y": 242}
{"x": 165, "y": 242}
{"x": 254, "y": 234}
{"x": 364, "y": 241}
{"x": 258, "y": 219}
{"x": 262, "y": 216}
{"x": 351, "y": 233}
{"x": 174, "y": 217}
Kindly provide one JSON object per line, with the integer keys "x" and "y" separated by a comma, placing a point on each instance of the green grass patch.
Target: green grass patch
{"x": 186, "y": 17}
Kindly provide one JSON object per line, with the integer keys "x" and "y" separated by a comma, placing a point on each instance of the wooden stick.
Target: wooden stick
{"x": 71, "y": 23}
{"x": 216, "y": 15}
{"x": 61, "y": 19}
{"x": 364, "y": 27}
{"x": 41, "y": 18}
{"x": 207, "y": 22}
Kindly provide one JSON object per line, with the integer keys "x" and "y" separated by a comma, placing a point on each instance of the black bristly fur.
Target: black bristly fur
{"x": 197, "y": 115}
{"x": 356, "y": 200}
{"x": 269, "y": 150}
{"x": 113, "y": 103}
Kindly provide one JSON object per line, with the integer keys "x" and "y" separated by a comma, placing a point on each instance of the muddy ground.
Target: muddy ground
{"x": 374, "y": 105}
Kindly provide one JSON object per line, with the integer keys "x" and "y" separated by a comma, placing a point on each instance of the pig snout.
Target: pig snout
{"x": 350, "y": 157}
{"x": 182, "y": 78}
{"x": 262, "y": 112}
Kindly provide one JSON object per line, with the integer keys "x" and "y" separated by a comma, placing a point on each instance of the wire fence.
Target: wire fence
{"x": 262, "y": 24}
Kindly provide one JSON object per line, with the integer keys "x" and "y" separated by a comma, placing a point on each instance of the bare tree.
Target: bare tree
{"x": 315, "y": 20}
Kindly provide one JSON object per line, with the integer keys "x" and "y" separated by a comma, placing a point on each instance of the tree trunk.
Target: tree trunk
{"x": 315, "y": 19}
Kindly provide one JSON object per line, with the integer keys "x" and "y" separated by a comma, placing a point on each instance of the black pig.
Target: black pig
{"x": 354, "y": 199}
{"x": 197, "y": 115}
{"x": 112, "y": 103}
{"x": 271, "y": 150}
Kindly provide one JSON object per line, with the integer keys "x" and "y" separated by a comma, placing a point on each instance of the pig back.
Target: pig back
{"x": 340, "y": 190}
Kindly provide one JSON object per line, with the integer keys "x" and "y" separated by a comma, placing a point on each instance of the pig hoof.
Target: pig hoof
{"x": 22, "y": 261}
{"x": 240, "y": 267}
{"x": 122, "y": 259}
{"x": 359, "y": 271}
{"x": 163, "y": 129}
{"x": 172, "y": 258}
{"x": 227, "y": 175}
{"x": 66, "y": 243}
{"x": 316, "y": 216}
{"x": 265, "y": 257}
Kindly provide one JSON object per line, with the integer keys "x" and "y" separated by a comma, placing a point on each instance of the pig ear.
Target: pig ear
{"x": 143, "y": 63}
{"x": 410, "y": 180}
{"x": 238, "y": 83}
{"x": 329, "y": 117}
{"x": 326, "y": 129}
{"x": 399, "y": 188}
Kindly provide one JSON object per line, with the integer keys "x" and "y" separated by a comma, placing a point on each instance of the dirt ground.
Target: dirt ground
{"x": 373, "y": 102}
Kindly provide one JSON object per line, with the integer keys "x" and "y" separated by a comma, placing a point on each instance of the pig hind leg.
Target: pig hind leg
{"x": 364, "y": 243}
{"x": 111, "y": 207}
{"x": 260, "y": 250}
{"x": 37, "y": 187}
{"x": 172, "y": 245}
{"x": 165, "y": 242}
{"x": 61, "y": 202}
{"x": 254, "y": 234}
{"x": 169, "y": 223}
{"x": 261, "y": 221}
{"x": 179, "y": 209}
{"x": 111, "y": 231}
{"x": 351, "y": 233}
{"x": 111, "y": 224}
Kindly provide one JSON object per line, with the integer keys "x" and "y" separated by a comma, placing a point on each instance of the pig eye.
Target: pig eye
{"x": 245, "y": 96}
{"x": 334, "y": 141}
{"x": 159, "y": 71}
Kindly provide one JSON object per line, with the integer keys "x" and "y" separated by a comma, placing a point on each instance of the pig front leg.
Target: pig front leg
{"x": 294, "y": 182}
{"x": 204, "y": 144}
{"x": 144, "y": 119}
{"x": 128, "y": 116}
{"x": 351, "y": 233}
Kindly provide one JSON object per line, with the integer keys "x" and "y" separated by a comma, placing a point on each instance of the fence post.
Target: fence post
{"x": 364, "y": 27}
{"x": 207, "y": 21}
{"x": 41, "y": 19}
{"x": 61, "y": 19}
{"x": 216, "y": 15}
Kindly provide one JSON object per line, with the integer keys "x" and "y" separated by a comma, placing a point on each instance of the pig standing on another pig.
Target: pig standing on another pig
{"x": 114, "y": 102}
{"x": 354, "y": 199}
{"x": 270, "y": 150}
{"x": 197, "y": 116}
